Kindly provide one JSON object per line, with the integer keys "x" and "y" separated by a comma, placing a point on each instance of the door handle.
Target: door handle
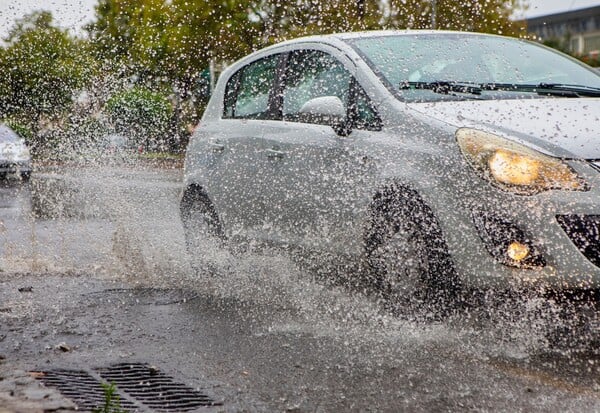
{"x": 216, "y": 147}
{"x": 275, "y": 154}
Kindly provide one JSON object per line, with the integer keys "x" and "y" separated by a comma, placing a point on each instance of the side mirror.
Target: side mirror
{"x": 328, "y": 110}
{"x": 326, "y": 106}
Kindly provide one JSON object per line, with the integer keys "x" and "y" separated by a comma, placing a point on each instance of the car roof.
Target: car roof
{"x": 378, "y": 33}
{"x": 7, "y": 134}
{"x": 339, "y": 39}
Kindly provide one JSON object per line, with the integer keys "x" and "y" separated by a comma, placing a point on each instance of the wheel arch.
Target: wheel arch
{"x": 194, "y": 194}
{"x": 395, "y": 200}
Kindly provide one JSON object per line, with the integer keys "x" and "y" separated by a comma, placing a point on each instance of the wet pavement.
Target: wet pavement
{"x": 94, "y": 273}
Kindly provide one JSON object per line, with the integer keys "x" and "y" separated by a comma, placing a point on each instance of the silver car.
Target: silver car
{"x": 433, "y": 160}
{"x": 14, "y": 154}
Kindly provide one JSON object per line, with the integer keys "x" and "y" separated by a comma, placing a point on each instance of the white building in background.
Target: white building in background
{"x": 577, "y": 30}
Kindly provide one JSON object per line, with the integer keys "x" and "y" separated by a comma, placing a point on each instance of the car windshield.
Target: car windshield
{"x": 433, "y": 67}
{"x": 8, "y": 135}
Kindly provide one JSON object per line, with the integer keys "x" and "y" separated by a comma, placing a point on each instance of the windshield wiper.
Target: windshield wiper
{"x": 444, "y": 87}
{"x": 547, "y": 89}
{"x": 550, "y": 89}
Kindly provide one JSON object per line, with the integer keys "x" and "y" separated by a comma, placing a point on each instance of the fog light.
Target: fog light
{"x": 517, "y": 251}
{"x": 506, "y": 242}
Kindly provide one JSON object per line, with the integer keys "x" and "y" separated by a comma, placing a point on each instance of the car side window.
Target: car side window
{"x": 311, "y": 74}
{"x": 363, "y": 112}
{"x": 248, "y": 91}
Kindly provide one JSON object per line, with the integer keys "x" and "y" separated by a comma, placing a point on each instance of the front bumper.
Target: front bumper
{"x": 564, "y": 227}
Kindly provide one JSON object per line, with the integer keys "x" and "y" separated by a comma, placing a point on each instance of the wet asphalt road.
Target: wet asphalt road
{"x": 94, "y": 273}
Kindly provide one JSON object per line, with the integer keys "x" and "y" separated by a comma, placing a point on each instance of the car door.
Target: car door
{"x": 235, "y": 174}
{"x": 321, "y": 182}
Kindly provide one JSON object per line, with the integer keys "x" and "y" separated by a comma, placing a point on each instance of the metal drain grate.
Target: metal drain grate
{"x": 79, "y": 386}
{"x": 140, "y": 387}
{"x": 154, "y": 389}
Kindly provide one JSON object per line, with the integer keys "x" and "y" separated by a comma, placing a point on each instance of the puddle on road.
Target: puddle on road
{"x": 142, "y": 296}
{"x": 109, "y": 221}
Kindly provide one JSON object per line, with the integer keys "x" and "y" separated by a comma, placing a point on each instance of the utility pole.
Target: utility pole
{"x": 211, "y": 80}
{"x": 433, "y": 14}
{"x": 360, "y": 11}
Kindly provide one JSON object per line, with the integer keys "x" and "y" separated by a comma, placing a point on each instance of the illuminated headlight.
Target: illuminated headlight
{"x": 516, "y": 167}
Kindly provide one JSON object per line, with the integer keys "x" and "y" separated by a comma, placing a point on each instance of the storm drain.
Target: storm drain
{"x": 140, "y": 387}
{"x": 81, "y": 387}
{"x": 153, "y": 388}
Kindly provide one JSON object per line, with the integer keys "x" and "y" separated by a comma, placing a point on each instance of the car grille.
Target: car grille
{"x": 584, "y": 231}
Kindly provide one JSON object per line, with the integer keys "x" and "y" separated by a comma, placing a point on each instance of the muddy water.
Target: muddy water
{"x": 317, "y": 346}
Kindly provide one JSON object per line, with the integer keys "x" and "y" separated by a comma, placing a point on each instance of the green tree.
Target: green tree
{"x": 281, "y": 21}
{"x": 284, "y": 20}
{"x": 174, "y": 40}
{"x": 161, "y": 41}
{"x": 141, "y": 114}
{"x": 167, "y": 46}
{"x": 40, "y": 68}
{"x": 487, "y": 16}
{"x": 132, "y": 35}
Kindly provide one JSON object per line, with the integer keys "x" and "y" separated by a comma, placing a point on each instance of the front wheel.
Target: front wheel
{"x": 201, "y": 226}
{"x": 409, "y": 258}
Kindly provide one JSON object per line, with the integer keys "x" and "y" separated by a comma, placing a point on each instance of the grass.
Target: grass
{"x": 112, "y": 401}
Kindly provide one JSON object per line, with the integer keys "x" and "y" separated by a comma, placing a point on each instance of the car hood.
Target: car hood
{"x": 565, "y": 127}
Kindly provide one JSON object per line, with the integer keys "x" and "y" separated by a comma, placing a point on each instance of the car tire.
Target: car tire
{"x": 201, "y": 225}
{"x": 408, "y": 255}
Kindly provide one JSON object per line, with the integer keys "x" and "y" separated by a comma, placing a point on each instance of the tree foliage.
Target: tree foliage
{"x": 40, "y": 69}
{"x": 171, "y": 41}
{"x": 278, "y": 21}
{"x": 177, "y": 38}
{"x": 487, "y": 16}
{"x": 141, "y": 114}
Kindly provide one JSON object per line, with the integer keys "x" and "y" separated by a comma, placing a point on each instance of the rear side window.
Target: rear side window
{"x": 247, "y": 94}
